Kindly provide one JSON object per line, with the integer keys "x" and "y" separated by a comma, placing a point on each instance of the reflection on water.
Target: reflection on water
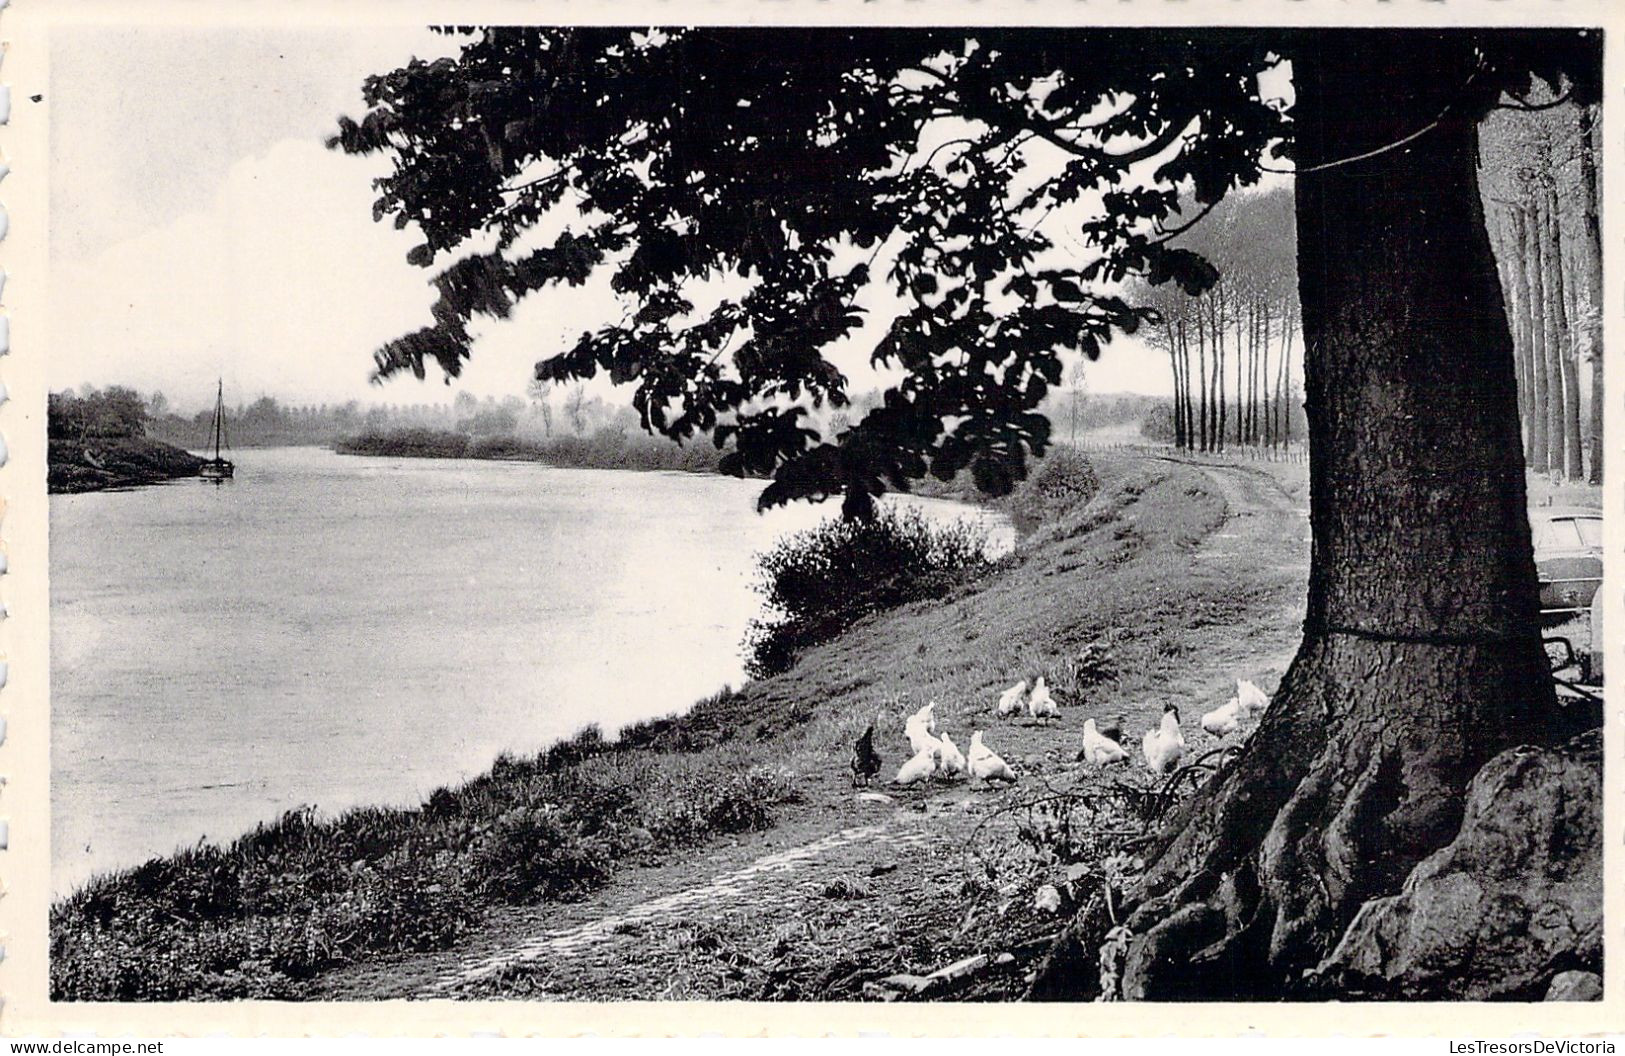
{"x": 334, "y": 630}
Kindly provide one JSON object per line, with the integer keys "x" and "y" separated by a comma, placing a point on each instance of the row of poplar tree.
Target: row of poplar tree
{"x": 1539, "y": 181}
{"x": 1231, "y": 348}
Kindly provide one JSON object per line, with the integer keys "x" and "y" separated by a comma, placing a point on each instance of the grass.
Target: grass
{"x": 1543, "y": 491}
{"x": 263, "y": 915}
{"x": 270, "y": 913}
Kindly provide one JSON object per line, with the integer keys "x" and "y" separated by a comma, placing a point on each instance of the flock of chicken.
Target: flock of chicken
{"x": 934, "y": 754}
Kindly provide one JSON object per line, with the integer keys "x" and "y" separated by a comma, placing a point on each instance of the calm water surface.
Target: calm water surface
{"x": 336, "y": 630}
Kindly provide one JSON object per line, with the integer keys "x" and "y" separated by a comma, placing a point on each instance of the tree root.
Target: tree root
{"x": 1336, "y": 799}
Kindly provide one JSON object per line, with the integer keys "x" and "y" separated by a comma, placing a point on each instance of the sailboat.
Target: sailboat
{"x": 218, "y": 468}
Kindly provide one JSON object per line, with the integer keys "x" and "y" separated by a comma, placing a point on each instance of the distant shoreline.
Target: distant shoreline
{"x": 603, "y": 450}
{"x": 78, "y": 466}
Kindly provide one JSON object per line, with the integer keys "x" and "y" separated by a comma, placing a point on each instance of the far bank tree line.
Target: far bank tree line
{"x": 269, "y": 422}
{"x": 1538, "y": 178}
{"x": 1231, "y": 348}
{"x": 552, "y": 414}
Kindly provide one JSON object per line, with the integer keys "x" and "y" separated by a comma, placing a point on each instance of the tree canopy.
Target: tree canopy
{"x": 738, "y": 186}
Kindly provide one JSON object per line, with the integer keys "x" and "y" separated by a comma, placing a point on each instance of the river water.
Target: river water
{"x": 337, "y": 630}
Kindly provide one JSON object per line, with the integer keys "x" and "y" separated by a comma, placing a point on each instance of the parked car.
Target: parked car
{"x": 1568, "y": 555}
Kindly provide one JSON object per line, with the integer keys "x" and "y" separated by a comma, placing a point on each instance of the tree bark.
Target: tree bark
{"x": 1421, "y": 656}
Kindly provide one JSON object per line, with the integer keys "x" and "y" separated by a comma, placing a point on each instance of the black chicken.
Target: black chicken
{"x": 865, "y": 760}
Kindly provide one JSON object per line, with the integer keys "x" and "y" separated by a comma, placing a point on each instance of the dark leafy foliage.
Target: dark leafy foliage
{"x": 112, "y": 413}
{"x": 819, "y": 582}
{"x": 751, "y": 161}
{"x": 1064, "y": 480}
{"x": 691, "y": 155}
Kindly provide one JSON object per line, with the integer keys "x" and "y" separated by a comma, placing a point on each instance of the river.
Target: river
{"x": 337, "y": 630}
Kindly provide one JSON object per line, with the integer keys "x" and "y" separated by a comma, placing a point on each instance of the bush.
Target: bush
{"x": 701, "y": 804}
{"x": 1158, "y": 423}
{"x": 536, "y": 853}
{"x": 819, "y": 582}
{"x": 1063, "y": 481}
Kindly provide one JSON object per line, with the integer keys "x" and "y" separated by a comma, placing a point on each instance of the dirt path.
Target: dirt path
{"x": 847, "y": 887}
{"x": 769, "y": 884}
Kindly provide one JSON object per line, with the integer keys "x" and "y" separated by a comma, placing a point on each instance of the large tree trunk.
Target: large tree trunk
{"x": 1590, "y": 254}
{"x": 1519, "y": 276}
{"x": 1255, "y": 428}
{"x": 1185, "y": 383}
{"x": 1507, "y": 268}
{"x": 1178, "y": 405}
{"x": 1268, "y": 434}
{"x": 1249, "y": 392}
{"x": 1220, "y": 419}
{"x": 1537, "y": 449}
{"x": 1201, "y": 375}
{"x": 1558, "y": 433}
{"x": 1568, "y": 362}
{"x": 1552, "y": 312}
{"x": 1242, "y": 325}
{"x": 1421, "y": 656}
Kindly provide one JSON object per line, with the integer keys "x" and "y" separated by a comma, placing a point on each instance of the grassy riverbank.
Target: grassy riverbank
{"x": 116, "y": 462}
{"x": 277, "y": 912}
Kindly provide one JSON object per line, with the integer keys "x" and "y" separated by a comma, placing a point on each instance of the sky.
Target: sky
{"x": 200, "y": 228}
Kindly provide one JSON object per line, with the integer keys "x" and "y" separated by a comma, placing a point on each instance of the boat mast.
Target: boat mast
{"x": 219, "y": 406}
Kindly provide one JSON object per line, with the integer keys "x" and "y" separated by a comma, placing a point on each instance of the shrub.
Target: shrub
{"x": 701, "y": 804}
{"x": 819, "y": 582}
{"x": 536, "y": 853}
{"x": 1063, "y": 481}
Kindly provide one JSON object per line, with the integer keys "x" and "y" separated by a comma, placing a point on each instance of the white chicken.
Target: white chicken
{"x": 1098, "y": 748}
{"x": 923, "y": 765}
{"x": 985, "y": 763}
{"x": 1165, "y": 745}
{"x": 1012, "y": 700}
{"x": 1253, "y": 700}
{"x": 920, "y": 727}
{"x": 1041, "y": 705}
{"x": 952, "y": 760}
{"x": 1223, "y": 721}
